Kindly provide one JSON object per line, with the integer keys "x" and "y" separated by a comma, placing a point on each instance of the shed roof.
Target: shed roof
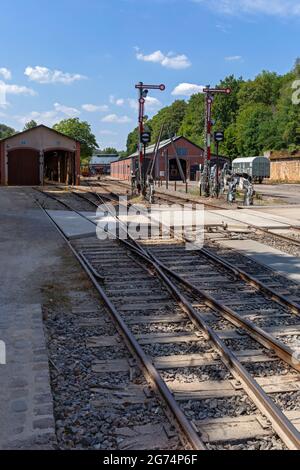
{"x": 103, "y": 159}
{"x": 164, "y": 143}
{"x": 36, "y": 128}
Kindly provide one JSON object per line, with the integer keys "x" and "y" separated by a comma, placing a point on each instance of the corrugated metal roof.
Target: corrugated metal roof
{"x": 103, "y": 159}
{"x": 151, "y": 148}
{"x": 247, "y": 159}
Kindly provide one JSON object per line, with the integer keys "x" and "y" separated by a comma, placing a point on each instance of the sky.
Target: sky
{"x": 75, "y": 58}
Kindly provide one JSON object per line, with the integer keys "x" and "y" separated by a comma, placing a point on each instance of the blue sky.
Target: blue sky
{"x": 68, "y": 58}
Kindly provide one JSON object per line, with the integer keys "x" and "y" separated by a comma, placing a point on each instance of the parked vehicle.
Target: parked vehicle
{"x": 258, "y": 168}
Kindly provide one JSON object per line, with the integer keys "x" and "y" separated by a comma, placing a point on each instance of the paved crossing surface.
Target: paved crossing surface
{"x": 28, "y": 250}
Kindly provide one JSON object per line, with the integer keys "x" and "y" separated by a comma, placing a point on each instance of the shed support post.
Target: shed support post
{"x": 41, "y": 167}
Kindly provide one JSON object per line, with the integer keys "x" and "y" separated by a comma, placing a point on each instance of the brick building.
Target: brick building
{"x": 190, "y": 155}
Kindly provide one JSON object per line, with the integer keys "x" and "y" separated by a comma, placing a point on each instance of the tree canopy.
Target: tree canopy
{"x": 108, "y": 151}
{"x": 30, "y": 125}
{"x": 259, "y": 115}
{"x": 81, "y": 131}
{"x": 6, "y": 131}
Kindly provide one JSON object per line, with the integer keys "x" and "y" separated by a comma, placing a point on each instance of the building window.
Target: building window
{"x": 182, "y": 151}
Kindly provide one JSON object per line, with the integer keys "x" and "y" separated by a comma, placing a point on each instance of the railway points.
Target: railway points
{"x": 196, "y": 329}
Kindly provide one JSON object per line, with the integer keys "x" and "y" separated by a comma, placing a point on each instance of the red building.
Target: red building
{"x": 190, "y": 155}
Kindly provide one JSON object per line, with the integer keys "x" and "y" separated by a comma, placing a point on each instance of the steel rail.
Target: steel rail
{"x": 260, "y": 286}
{"x": 181, "y": 200}
{"x": 281, "y": 299}
{"x": 182, "y": 423}
{"x": 257, "y": 333}
{"x": 282, "y": 426}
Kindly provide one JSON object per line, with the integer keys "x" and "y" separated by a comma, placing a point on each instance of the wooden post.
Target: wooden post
{"x": 59, "y": 168}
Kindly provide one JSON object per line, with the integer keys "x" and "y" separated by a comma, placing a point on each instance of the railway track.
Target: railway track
{"x": 201, "y": 343}
{"x": 181, "y": 200}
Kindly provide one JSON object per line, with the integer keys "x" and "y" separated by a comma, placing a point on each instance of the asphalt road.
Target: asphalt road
{"x": 288, "y": 192}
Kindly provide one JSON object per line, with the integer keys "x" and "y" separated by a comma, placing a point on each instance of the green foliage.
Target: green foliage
{"x": 30, "y": 125}
{"x": 172, "y": 116}
{"x": 258, "y": 115}
{"x": 108, "y": 151}
{"x": 6, "y": 131}
{"x": 226, "y": 108}
{"x": 192, "y": 126}
{"x": 81, "y": 131}
{"x": 132, "y": 141}
{"x": 265, "y": 89}
{"x": 251, "y": 126}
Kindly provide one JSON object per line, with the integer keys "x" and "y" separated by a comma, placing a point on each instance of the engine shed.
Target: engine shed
{"x": 38, "y": 155}
{"x": 191, "y": 156}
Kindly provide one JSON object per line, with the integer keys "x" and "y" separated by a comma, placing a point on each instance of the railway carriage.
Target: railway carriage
{"x": 258, "y": 168}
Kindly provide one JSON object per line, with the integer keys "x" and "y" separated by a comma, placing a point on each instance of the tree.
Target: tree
{"x": 81, "y": 131}
{"x": 193, "y": 123}
{"x": 265, "y": 89}
{"x": 229, "y": 146}
{"x": 109, "y": 151}
{"x": 122, "y": 153}
{"x": 6, "y": 131}
{"x": 30, "y": 125}
{"x": 226, "y": 108}
{"x": 132, "y": 141}
{"x": 251, "y": 124}
{"x": 172, "y": 116}
{"x": 258, "y": 115}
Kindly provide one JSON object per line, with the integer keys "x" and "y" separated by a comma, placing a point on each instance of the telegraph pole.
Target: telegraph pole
{"x": 144, "y": 137}
{"x": 209, "y": 98}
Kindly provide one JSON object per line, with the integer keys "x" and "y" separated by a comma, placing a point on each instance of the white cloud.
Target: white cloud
{"x": 170, "y": 60}
{"x": 151, "y": 103}
{"x": 116, "y": 101}
{"x": 44, "y": 75}
{"x": 68, "y": 111}
{"x": 120, "y": 102}
{"x": 187, "y": 89}
{"x": 107, "y": 132}
{"x": 233, "y": 58}
{"x": 16, "y": 89}
{"x": 5, "y": 73}
{"x": 49, "y": 118}
{"x": 269, "y": 7}
{"x": 92, "y": 108}
{"x": 113, "y": 118}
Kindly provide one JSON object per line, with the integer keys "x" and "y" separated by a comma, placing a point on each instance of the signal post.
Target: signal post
{"x": 144, "y": 136}
{"x": 210, "y": 93}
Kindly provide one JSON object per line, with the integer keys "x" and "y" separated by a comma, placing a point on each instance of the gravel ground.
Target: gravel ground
{"x": 79, "y": 424}
{"x": 218, "y": 407}
{"x": 194, "y": 374}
